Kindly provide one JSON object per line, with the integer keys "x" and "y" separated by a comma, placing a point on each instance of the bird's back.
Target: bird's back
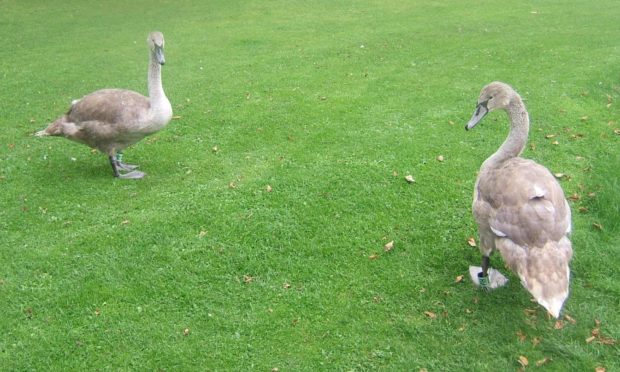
{"x": 522, "y": 200}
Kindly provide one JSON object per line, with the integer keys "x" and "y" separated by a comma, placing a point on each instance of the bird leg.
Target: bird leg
{"x": 117, "y": 166}
{"x": 483, "y": 276}
{"x": 124, "y": 166}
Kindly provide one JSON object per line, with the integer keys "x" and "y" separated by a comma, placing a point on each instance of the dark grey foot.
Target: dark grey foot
{"x": 133, "y": 175}
{"x": 127, "y": 167}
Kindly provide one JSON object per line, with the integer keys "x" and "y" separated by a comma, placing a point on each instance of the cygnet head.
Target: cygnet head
{"x": 496, "y": 95}
{"x": 155, "y": 41}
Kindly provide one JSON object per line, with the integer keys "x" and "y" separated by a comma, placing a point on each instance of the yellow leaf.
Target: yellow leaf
{"x": 521, "y": 335}
{"x": 545, "y": 360}
{"x": 268, "y": 188}
{"x": 558, "y": 324}
{"x": 409, "y": 179}
{"x": 471, "y": 241}
{"x": 523, "y": 361}
{"x": 458, "y": 279}
{"x": 440, "y": 158}
{"x": 389, "y": 246}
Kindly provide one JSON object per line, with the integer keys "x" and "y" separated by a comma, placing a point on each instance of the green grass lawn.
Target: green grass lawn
{"x": 329, "y": 104}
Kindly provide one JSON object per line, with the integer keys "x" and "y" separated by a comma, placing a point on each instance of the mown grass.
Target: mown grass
{"x": 330, "y": 104}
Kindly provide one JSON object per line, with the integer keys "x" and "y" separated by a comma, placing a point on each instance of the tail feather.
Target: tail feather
{"x": 543, "y": 271}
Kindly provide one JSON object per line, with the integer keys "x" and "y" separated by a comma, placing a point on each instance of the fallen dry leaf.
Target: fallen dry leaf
{"x": 202, "y": 233}
{"x": 440, "y": 158}
{"x": 286, "y": 285}
{"x": 575, "y": 197}
{"x": 409, "y": 179}
{"x": 545, "y": 360}
{"x": 521, "y": 335}
{"x": 458, "y": 279}
{"x": 275, "y": 369}
{"x": 583, "y": 210}
{"x": 430, "y": 314}
{"x": 555, "y": 143}
{"x": 186, "y": 332}
{"x": 232, "y": 185}
{"x": 389, "y": 246}
{"x": 125, "y": 222}
{"x": 559, "y": 175}
{"x": 530, "y": 312}
{"x": 559, "y": 324}
{"x": 597, "y": 226}
{"x": 550, "y": 136}
{"x": 536, "y": 341}
{"x": 600, "y": 369}
{"x": 373, "y": 256}
{"x": 248, "y": 279}
{"x": 523, "y": 361}
{"x": 471, "y": 241}
{"x": 584, "y": 118}
{"x": 570, "y": 319}
{"x": 590, "y": 339}
{"x": 395, "y": 173}
{"x": 215, "y": 149}
{"x": 617, "y": 131}
{"x": 268, "y": 188}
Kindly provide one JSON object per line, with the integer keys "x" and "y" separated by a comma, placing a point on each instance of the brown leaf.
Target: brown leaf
{"x": 590, "y": 339}
{"x": 286, "y": 285}
{"x": 409, "y": 179}
{"x": 545, "y": 360}
{"x": 440, "y": 158}
{"x": 606, "y": 340}
{"x": 458, "y": 279}
{"x": 248, "y": 279}
{"x": 430, "y": 314}
{"x": 373, "y": 256}
{"x": 530, "y": 312}
{"x": 550, "y": 136}
{"x": 600, "y": 369}
{"x": 559, "y": 324}
{"x": 521, "y": 335}
{"x": 575, "y": 197}
{"x": 523, "y": 361}
{"x": 597, "y": 226}
{"x": 389, "y": 246}
{"x": 536, "y": 341}
{"x": 570, "y": 319}
{"x": 583, "y": 210}
{"x": 268, "y": 188}
{"x": 186, "y": 332}
{"x": 471, "y": 241}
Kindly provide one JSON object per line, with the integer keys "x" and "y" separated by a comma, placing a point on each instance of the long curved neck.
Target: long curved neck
{"x": 156, "y": 90}
{"x": 517, "y": 137}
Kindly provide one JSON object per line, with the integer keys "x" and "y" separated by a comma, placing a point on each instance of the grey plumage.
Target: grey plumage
{"x": 520, "y": 207}
{"x": 110, "y": 120}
